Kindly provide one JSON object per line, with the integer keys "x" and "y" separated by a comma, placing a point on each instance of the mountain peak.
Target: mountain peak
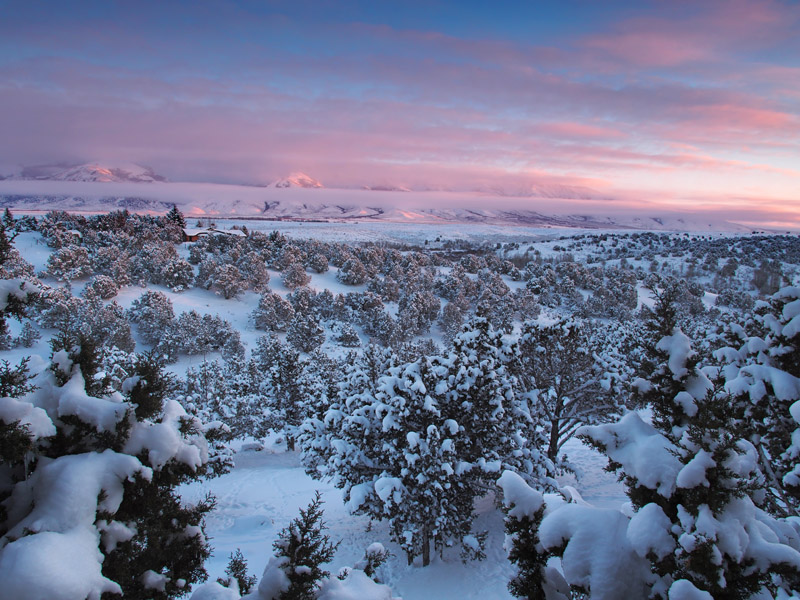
{"x": 93, "y": 172}
{"x": 297, "y": 179}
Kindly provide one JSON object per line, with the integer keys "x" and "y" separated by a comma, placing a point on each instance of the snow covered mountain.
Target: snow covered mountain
{"x": 92, "y": 172}
{"x": 297, "y": 203}
{"x": 296, "y": 180}
{"x": 570, "y": 192}
{"x": 386, "y": 187}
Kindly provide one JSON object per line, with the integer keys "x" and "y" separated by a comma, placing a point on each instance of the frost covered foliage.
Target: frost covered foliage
{"x": 561, "y": 369}
{"x": 762, "y": 372}
{"x": 273, "y": 391}
{"x": 191, "y": 333}
{"x": 15, "y": 297}
{"x": 91, "y": 506}
{"x": 273, "y": 313}
{"x": 350, "y": 584}
{"x": 695, "y": 530}
{"x": 416, "y": 443}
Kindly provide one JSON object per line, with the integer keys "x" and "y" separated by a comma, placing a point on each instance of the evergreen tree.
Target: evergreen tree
{"x": 273, "y": 313}
{"x": 762, "y": 372}
{"x": 300, "y": 551}
{"x": 416, "y": 444}
{"x": 305, "y": 333}
{"x": 279, "y": 369}
{"x": 238, "y": 577}
{"x": 524, "y": 513}
{"x": 5, "y": 246}
{"x": 176, "y": 216}
{"x": 107, "y": 457}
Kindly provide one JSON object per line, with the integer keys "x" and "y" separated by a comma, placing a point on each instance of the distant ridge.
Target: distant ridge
{"x": 353, "y": 205}
{"x": 91, "y": 172}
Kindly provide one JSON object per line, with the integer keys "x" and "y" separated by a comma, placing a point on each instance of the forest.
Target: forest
{"x": 420, "y": 380}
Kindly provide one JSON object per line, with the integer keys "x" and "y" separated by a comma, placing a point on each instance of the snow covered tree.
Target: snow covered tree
{"x": 348, "y": 336}
{"x": 305, "y": 333}
{"x": 154, "y": 315}
{"x": 103, "y": 286}
{"x": 695, "y": 531}
{"x": 273, "y": 313}
{"x": 303, "y": 300}
{"x": 238, "y": 577}
{"x": 318, "y": 262}
{"x": 352, "y": 272}
{"x": 302, "y": 548}
{"x": 279, "y": 368}
{"x": 28, "y": 336}
{"x": 525, "y": 510}
{"x": 503, "y": 428}
{"x": 177, "y": 274}
{"x": 417, "y": 311}
{"x": 417, "y": 443}
{"x": 295, "y": 276}
{"x": 68, "y": 263}
{"x": 98, "y": 510}
{"x": 451, "y": 320}
{"x": 762, "y": 374}
{"x": 254, "y": 271}
{"x": 560, "y": 369}
{"x": 228, "y": 282}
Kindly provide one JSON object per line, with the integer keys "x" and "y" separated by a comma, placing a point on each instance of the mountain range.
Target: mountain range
{"x": 94, "y": 187}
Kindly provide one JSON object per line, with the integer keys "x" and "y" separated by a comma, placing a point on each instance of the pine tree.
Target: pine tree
{"x": 525, "y": 510}
{"x": 301, "y": 549}
{"x": 705, "y": 475}
{"x": 150, "y": 544}
{"x": 176, "y": 216}
{"x": 238, "y": 577}
{"x": 305, "y": 333}
{"x": 273, "y": 313}
{"x": 279, "y": 369}
{"x": 761, "y": 367}
{"x": 5, "y": 246}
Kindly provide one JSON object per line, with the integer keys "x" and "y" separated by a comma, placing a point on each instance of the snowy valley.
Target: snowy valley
{"x": 452, "y": 388}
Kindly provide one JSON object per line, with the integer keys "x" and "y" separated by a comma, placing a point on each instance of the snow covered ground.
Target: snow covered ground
{"x": 267, "y": 488}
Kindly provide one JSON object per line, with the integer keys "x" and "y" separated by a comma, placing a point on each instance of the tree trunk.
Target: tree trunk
{"x": 552, "y": 449}
{"x": 426, "y": 548}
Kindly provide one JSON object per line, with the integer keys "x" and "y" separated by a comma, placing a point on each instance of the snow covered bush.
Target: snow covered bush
{"x": 352, "y": 272}
{"x": 229, "y": 282}
{"x": 305, "y": 333}
{"x": 103, "y": 286}
{"x": 92, "y": 507}
{"x": 273, "y": 313}
{"x": 154, "y": 315}
{"x": 318, "y": 262}
{"x": 177, "y": 274}
{"x": 295, "y": 276}
{"x": 68, "y": 263}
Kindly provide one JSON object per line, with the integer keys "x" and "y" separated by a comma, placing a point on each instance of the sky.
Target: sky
{"x": 681, "y": 102}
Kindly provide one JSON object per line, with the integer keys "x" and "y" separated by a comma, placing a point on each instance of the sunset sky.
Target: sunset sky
{"x": 683, "y": 102}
